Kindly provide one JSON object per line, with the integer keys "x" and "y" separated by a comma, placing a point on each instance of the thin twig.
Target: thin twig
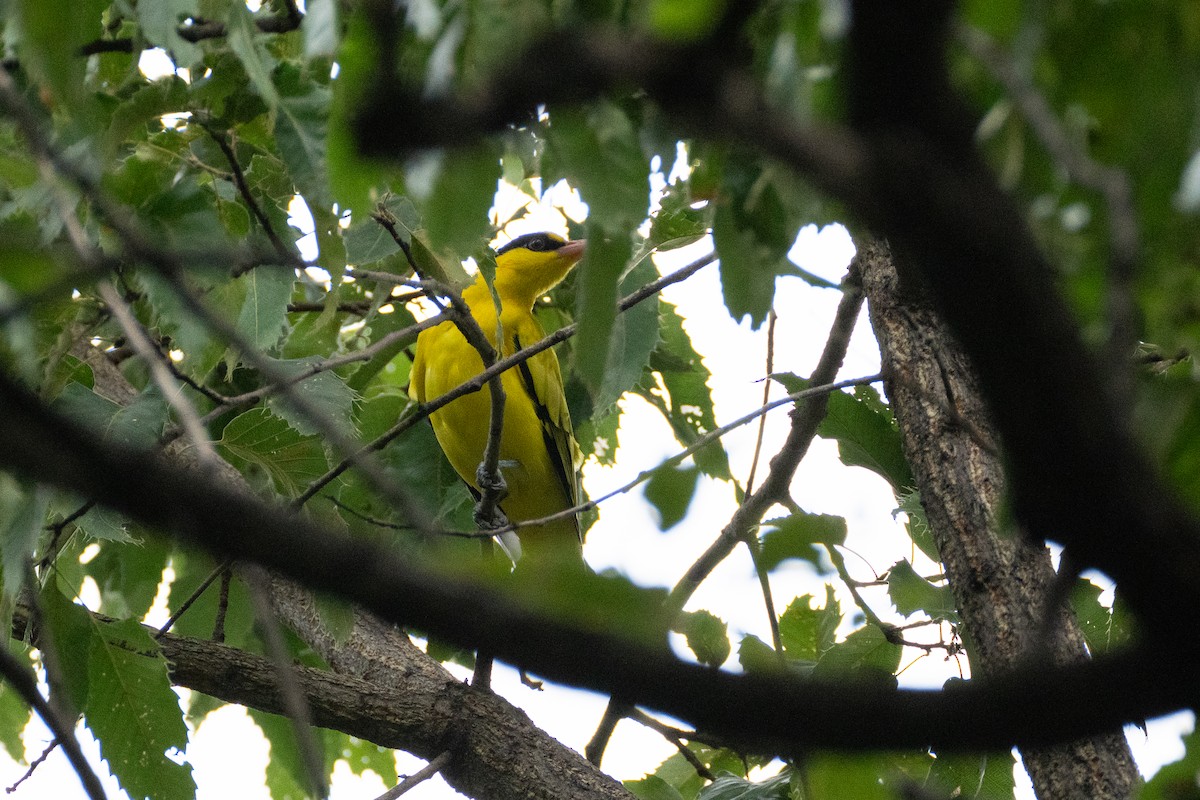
{"x": 239, "y": 181}
{"x": 423, "y": 774}
{"x": 20, "y": 677}
{"x": 171, "y": 390}
{"x": 675, "y": 736}
{"x": 194, "y": 596}
{"x": 477, "y": 383}
{"x": 752, "y": 543}
{"x": 805, "y": 419}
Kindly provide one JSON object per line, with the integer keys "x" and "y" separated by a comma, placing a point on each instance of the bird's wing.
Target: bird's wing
{"x": 542, "y": 380}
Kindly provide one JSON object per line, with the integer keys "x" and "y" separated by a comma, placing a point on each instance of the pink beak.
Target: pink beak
{"x": 573, "y": 251}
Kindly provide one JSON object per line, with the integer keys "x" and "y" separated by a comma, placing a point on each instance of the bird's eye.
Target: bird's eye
{"x": 538, "y": 245}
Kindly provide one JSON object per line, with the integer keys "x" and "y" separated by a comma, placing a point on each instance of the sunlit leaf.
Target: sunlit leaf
{"x": 135, "y": 715}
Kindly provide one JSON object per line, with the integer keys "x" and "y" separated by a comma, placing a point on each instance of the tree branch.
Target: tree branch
{"x": 1032, "y": 706}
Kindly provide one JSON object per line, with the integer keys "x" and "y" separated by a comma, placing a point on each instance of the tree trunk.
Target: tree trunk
{"x": 1000, "y": 583}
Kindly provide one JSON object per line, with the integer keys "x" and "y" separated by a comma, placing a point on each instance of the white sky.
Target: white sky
{"x": 229, "y": 753}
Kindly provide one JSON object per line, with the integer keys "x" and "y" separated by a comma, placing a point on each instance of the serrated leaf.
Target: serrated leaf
{"x": 263, "y": 318}
{"x": 748, "y": 270}
{"x": 325, "y": 393}
{"x": 160, "y": 22}
{"x": 258, "y": 442}
{"x": 301, "y": 129}
{"x": 129, "y": 576}
{"x": 863, "y": 427}
{"x": 103, "y": 524}
{"x": 632, "y": 340}
{"x": 808, "y": 633}
{"x": 795, "y": 536}
{"x": 362, "y": 756}
{"x": 707, "y": 636}
{"x": 864, "y": 654}
{"x": 670, "y": 490}
{"x": 135, "y": 715}
{"x": 598, "y": 153}
{"x": 687, "y": 400}
{"x": 911, "y": 593}
{"x": 596, "y": 303}
{"x": 72, "y": 631}
{"x": 918, "y": 525}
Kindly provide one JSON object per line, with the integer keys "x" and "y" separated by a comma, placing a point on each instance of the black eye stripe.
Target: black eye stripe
{"x": 537, "y": 242}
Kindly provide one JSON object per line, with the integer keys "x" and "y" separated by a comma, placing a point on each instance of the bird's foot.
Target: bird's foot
{"x": 493, "y": 482}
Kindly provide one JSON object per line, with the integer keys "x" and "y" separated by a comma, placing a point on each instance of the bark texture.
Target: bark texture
{"x": 1000, "y": 583}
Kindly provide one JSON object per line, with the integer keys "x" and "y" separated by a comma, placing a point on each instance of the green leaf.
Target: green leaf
{"x": 864, "y": 654}
{"x": 261, "y": 445}
{"x": 670, "y": 490}
{"x": 598, "y": 153}
{"x": 325, "y": 393}
{"x": 1103, "y": 628}
{"x": 918, "y": 524}
{"x": 911, "y": 593}
{"x": 986, "y": 777}
{"x": 362, "y": 756}
{"x": 456, "y": 213}
{"x": 829, "y": 776}
{"x": 865, "y": 432}
{"x": 160, "y": 23}
{"x": 684, "y": 398}
{"x": 49, "y": 43}
{"x": 755, "y": 655}
{"x": 596, "y": 303}
{"x": 653, "y": 787}
{"x": 286, "y": 775}
{"x": 731, "y": 787}
{"x": 632, "y": 340}
{"x": 264, "y": 314}
{"x": 129, "y": 577}
{"x": 22, "y": 515}
{"x": 243, "y": 38}
{"x": 1177, "y": 781}
{"x": 103, "y": 524}
{"x": 707, "y": 636}
{"x": 808, "y": 633}
{"x": 14, "y": 716}
{"x": 73, "y": 631}
{"x": 200, "y": 618}
{"x": 135, "y": 714}
{"x": 301, "y": 129}
{"x": 796, "y": 536}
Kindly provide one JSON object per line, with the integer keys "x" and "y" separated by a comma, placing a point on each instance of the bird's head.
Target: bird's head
{"x": 530, "y": 265}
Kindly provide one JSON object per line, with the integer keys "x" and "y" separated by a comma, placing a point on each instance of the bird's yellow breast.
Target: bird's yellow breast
{"x": 538, "y": 456}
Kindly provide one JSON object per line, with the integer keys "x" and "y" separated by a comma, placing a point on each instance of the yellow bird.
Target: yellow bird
{"x": 539, "y": 457}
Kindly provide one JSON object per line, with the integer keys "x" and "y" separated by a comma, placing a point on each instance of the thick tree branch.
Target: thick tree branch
{"x": 1035, "y": 706}
{"x": 1002, "y": 585}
